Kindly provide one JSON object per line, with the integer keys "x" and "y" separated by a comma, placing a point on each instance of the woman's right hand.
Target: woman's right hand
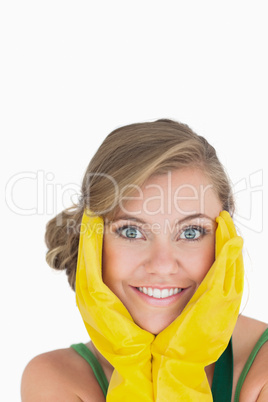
{"x": 110, "y": 326}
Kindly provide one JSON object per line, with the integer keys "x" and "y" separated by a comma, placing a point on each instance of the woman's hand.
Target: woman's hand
{"x": 110, "y": 326}
{"x": 201, "y": 333}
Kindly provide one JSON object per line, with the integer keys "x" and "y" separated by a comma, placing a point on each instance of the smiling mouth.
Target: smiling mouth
{"x": 159, "y": 293}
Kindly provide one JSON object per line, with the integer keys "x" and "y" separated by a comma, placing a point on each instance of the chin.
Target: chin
{"x": 154, "y": 327}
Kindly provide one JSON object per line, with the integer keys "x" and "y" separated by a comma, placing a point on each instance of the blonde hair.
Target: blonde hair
{"x": 126, "y": 159}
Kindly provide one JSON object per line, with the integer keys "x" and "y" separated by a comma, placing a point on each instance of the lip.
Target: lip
{"x": 167, "y": 301}
{"x": 158, "y": 286}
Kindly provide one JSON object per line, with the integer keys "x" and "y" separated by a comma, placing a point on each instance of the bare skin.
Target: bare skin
{"x": 152, "y": 258}
{"x": 63, "y": 375}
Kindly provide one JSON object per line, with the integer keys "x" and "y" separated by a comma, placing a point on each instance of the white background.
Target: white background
{"x": 71, "y": 72}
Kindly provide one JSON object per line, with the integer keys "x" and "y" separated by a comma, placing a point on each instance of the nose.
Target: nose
{"x": 162, "y": 259}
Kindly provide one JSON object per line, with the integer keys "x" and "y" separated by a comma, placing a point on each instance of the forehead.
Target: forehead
{"x": 180, "y": 192}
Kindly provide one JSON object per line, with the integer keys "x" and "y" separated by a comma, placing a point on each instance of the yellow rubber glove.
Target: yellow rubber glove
{"x": 201, "y": 333}
{"x": 124, "y": 344}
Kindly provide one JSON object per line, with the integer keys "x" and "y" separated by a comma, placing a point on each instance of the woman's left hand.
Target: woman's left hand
{"x": 201, "y": 333}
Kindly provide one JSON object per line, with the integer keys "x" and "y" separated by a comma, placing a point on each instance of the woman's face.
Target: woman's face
{"x": 160, "y": 246}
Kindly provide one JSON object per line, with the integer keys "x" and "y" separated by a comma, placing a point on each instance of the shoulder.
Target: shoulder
{"x": 60, "y": 375}
{"x": 246, "y": 334}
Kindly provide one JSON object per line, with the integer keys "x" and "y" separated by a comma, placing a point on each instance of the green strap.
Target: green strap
{"x": 259, "y": 344}
{"x": 222, "y": 383}
{"x": 223, "y": 373}
{"x": 83, "y": 350}
{"x": 222, "y": 379}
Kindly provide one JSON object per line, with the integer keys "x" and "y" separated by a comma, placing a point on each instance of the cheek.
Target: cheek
{"x": 108, "y": 265}
{"x": 208, "y": 260}
{"x": 201, "y": 260}
{"x": 114, "y": 264}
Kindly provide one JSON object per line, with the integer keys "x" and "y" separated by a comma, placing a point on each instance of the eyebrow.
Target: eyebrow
{"x": 139, "y": 220}
{"x": 195, "y": 216}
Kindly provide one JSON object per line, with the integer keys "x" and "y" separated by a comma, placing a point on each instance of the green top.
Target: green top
{"x": 223, "y": 374}
{"x": 222, "y": 383}
{"x": 253, "y": 354}
{"x": 83, "y": 350}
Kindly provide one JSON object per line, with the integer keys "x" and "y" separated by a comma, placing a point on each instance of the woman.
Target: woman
{"x": 159, "y": 303}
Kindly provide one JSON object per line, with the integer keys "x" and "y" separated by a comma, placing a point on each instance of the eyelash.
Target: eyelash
{"x": 200, "y": 229}
{"x": 120, "y": 230}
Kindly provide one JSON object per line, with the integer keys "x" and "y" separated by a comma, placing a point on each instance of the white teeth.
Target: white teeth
{"x": 159, "y": 293}
{"x": 165, "y": 293}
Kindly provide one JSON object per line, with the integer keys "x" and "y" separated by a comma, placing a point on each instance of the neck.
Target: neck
{"x": 106, "y": 366}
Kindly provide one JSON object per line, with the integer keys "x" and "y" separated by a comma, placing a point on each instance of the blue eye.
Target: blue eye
{"x": 192, "y": 233}
{"x": 130, "y": 232}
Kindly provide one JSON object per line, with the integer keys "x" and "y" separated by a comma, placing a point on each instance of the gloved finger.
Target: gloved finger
{"x": 229, "y": 261}
{"x": 229, "y": 223}
{"x": 239, "y": 278}
{"x": 223, "y": 233}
